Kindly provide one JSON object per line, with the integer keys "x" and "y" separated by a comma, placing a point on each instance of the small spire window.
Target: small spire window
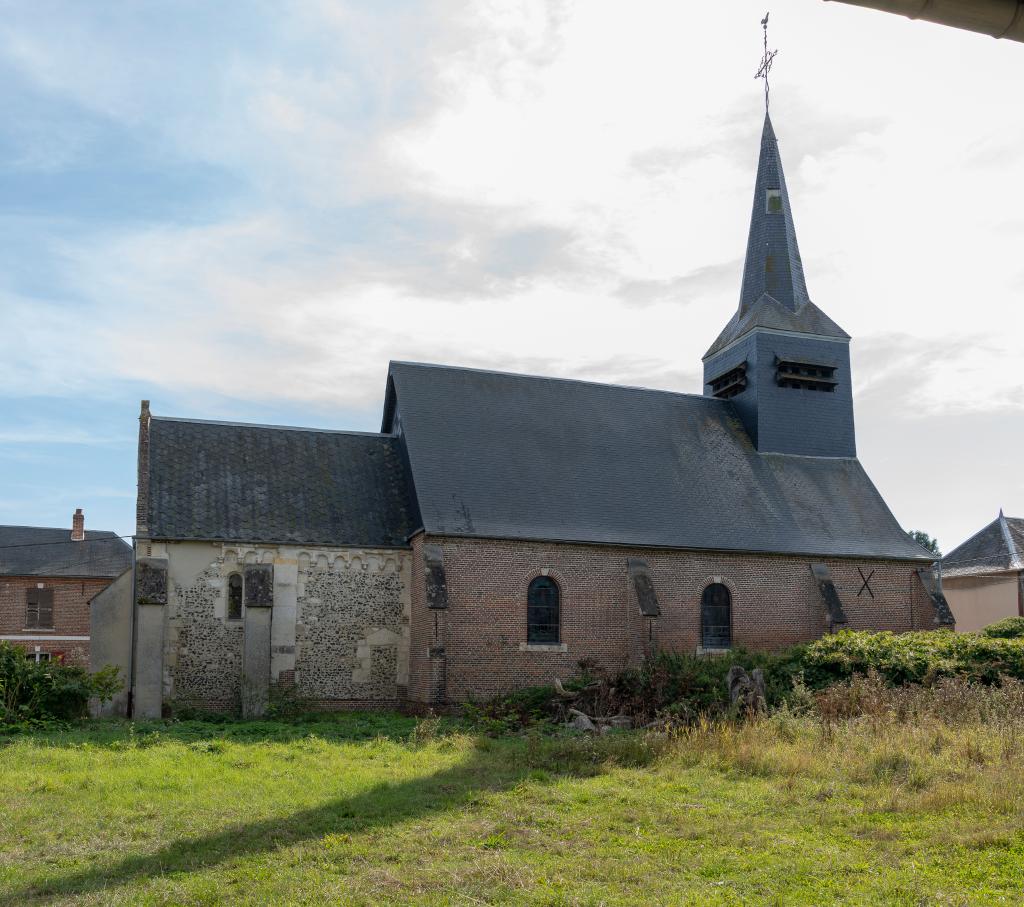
{"x": 773, "y": 201}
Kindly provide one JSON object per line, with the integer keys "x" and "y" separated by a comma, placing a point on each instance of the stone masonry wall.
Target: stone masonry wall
{"x": 775, "y": 603}
{"x": 339, "y": 624}
{"x": 203, "y": 651}
{"x": 351, "y": 628}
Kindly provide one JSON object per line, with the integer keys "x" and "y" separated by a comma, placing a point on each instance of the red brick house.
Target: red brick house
{"x": 500, "y": 527}
{"x": 47, "y": 578}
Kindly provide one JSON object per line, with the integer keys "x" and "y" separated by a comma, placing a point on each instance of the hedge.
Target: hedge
{"x": 919, "y": 657}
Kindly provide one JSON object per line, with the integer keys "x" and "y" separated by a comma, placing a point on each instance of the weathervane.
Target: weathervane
{"x": 766, "y": 61}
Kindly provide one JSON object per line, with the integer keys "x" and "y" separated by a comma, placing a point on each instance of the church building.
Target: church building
{"x": 500, "y": 528}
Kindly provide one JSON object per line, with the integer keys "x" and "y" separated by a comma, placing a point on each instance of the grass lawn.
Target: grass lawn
{"x": 371, "y": 809}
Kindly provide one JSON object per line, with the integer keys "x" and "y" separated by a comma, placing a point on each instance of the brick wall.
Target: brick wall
{"x": 775, "y": 603}
{"x": 70, "y": 615}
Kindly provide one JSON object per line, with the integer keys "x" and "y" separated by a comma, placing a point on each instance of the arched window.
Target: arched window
{"x": 716, "y": 617}
{"x": 235, "y": 596}
{"x": 542, "y": 615}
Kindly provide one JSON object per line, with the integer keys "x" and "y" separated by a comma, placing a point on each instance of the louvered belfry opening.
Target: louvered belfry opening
{"x": 730, "y": 383}
{"x": 716, "y": 617}
{"x": 810, "y": 376}
{"x": 542, "y": 617}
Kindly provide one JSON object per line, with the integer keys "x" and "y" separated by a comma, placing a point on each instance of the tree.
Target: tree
{"x": 926, "y": 541}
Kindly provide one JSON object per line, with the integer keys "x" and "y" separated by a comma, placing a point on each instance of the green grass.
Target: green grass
{"x": 371, "y": 809}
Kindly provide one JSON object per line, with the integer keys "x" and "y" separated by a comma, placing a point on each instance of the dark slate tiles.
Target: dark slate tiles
{"x": 997, "y": 547}
{"x": 772, "y": 264}
{"x": 774, "y": 291}
{"x": 516, "y": 456}
{"x": 236, "y": 482}
{"x": 37, "y": 551}
{"x": 770, "y": 314}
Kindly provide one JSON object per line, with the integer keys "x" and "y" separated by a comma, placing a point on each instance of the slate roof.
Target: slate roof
{"x": 774, "y": 291}
{"x": 257, "y": 483}
{"x": 771, "y": 314}
{"x": 516, "y": 456}
{"x": 38, "y": 551}
{"x": 996, "y": 548}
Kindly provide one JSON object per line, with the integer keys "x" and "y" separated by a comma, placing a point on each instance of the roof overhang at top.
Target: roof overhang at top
{"x": 996, "y": 18}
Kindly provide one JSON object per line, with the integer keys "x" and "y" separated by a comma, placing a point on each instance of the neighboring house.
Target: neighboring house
{"x": 47, "y": 577}
{"x": 984, "y": 577}
{"x": 501, "y": 528}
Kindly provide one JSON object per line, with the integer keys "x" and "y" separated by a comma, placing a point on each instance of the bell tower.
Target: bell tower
{"x": 781, "y": 360}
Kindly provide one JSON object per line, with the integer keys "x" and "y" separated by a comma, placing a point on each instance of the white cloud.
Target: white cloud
{"x": 553, "y": 187}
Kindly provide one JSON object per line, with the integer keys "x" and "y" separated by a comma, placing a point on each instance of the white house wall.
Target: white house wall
{"x": 977, "y": 601}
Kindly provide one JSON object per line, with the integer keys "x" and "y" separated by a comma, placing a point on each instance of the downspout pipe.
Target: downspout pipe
{"x": 130, "y": 701}
{"x": 995, "y": 18}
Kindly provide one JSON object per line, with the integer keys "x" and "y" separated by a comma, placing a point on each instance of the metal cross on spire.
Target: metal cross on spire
{"x": 766, "y": 61}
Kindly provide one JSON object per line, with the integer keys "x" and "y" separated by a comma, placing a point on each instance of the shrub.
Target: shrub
{"x": 517, "y": 709}
{"x": 671, "y": 686}
{"x": 1007, "y": 628}
{"x": 854, "y": 668}
{"x": 919, "y": 657}
{"x": 688, "y": 686}
{"x": 48, "y": 690}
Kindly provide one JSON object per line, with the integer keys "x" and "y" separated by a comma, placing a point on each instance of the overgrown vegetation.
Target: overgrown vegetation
{"x": 48, "y": 690}
{"x": 884, "y": 770}
{"x": 687, "y": 688}
{"x": 921, "y": 657}
{"x": 860, "y": 793}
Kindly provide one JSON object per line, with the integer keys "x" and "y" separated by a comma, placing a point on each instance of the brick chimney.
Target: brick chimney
{"x": 78, "y": 526}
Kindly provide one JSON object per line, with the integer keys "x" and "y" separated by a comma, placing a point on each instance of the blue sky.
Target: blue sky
{"x": 244, "y": 210}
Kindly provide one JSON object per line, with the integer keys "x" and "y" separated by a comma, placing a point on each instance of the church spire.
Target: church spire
{"x": 781, "y": 362}
{"x": 772, "y": 265}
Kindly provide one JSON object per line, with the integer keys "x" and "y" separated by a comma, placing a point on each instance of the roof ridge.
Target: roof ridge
{"x": 326, "y": 431}
{"x": 67, "y": 529}
{"x": 490, "y": 371}
{"x": 1011, "y": 546}
{"x": 948, "y": 556}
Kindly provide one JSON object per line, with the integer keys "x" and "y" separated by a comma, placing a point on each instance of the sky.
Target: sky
{"x": 244, "y": 210}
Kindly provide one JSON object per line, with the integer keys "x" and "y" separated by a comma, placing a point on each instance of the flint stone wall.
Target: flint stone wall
{"x": 351, "y": 629}
{"x": 340, "y": 624}
{"x": 203, "y": 657}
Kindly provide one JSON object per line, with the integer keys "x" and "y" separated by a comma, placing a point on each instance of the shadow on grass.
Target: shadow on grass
{"x": 492, "y": 767}
{"x": 120, "y": 734}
